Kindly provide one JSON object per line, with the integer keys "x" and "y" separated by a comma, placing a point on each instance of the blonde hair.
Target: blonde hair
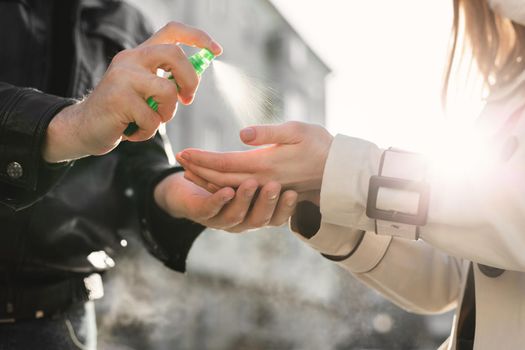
{"x": 483, "y": 43}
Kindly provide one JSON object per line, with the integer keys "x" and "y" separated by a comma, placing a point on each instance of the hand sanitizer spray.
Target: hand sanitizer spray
{"x": 200, "y": 61}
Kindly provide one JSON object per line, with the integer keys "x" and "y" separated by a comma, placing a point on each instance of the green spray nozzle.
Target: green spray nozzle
{"x": 200, "y": 62}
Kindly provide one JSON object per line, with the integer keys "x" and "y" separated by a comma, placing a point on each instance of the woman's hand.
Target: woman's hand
{"x": 295, "y": 159}
{"x": 226, "y": 209}
{"x": 95, "y": 126}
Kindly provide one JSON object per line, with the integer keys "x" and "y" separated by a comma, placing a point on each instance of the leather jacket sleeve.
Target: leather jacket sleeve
{"x": 24, "y": 116}
{"x": 167, "y": 238}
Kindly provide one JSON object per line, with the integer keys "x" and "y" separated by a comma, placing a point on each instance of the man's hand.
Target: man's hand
{"x": 226, "y": 209}
{"x": 95, "y": 125}
{"x": 295, "y": 159}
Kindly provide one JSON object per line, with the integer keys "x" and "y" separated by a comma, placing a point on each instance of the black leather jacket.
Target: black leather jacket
{"x": 53, "y": 217}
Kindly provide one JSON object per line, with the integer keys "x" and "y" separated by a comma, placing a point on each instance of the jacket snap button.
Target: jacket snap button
{"x": 15, "y": 170}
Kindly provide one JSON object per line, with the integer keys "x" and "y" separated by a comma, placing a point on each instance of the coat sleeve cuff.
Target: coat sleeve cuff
{"x": 357, "y": 252}
{"x": 24, "y": 117}
{"x": 344, "y": 192}
{"x": 167, "y": 238}
{"x": 24, "y": 121}
{"x": 328, "y": 239}
{"x": 368, "y": 255}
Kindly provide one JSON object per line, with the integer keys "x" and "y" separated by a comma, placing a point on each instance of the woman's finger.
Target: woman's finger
{"x": 287, "y": 133}
{"x": 216, "y": 177}
{"x": 245, "y": 161}
{"x": 188, "y": 175}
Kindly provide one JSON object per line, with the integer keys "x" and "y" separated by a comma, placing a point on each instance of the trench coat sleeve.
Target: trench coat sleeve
{"x": 169, "y": 239}
{"x": 412, "y": 274}
{"x": 24, "y": 117}
{"x": 478, "y": 218}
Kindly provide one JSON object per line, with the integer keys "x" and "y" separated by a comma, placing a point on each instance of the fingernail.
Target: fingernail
{"x": 216, "y": 47}
{"x": 290, "y": 202}
{"x": 188, "y": 100}
{"x": 185, "y": 156}
{"x": 273, "y": 196}
{"x": 226, "y": 199}
{"x": 248, "y": 134}
{"x": 249, "y": 193}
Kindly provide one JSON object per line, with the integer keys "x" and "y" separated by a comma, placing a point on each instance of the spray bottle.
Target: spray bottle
{"x": 200, "y": 62}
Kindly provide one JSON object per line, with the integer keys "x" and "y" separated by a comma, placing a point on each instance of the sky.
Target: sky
{"x": 387, "y": 59}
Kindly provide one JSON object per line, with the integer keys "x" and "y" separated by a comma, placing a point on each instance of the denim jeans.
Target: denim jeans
{"x": 74, "y": 329}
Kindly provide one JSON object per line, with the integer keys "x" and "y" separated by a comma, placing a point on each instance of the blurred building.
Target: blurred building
{"x": 276, "y": 76}
{"x": 263, "y": 289}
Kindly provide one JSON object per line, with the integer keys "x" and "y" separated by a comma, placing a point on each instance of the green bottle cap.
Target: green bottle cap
{"x": 201, "y": 60}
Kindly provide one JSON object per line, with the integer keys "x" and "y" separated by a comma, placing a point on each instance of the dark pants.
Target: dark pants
{"x": 73, "y": 329}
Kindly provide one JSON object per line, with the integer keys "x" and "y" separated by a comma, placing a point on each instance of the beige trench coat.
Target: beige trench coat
{"x": 468, "y": 221}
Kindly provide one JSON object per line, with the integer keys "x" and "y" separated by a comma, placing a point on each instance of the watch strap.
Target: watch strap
{"x": 398, "y": 197}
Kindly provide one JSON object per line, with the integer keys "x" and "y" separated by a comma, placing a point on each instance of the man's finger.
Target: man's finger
{"x": 174, "y": 33}
{"x": 215, "y": 203}
{"x": 262, "y": 211}
{"x": 247, "y": 161}
{"x": 235, "y": 212}
{"x": 173, "y": 59}
{"x": 146, "y": 119}
{"x": 163, "y": 91}
{"x": 287, "y": 133}
{"x": 285, "y": 208}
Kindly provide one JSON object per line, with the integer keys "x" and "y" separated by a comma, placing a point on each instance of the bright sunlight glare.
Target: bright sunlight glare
{"x": 463, "y": 156}
{"x": 387, "y": 59}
